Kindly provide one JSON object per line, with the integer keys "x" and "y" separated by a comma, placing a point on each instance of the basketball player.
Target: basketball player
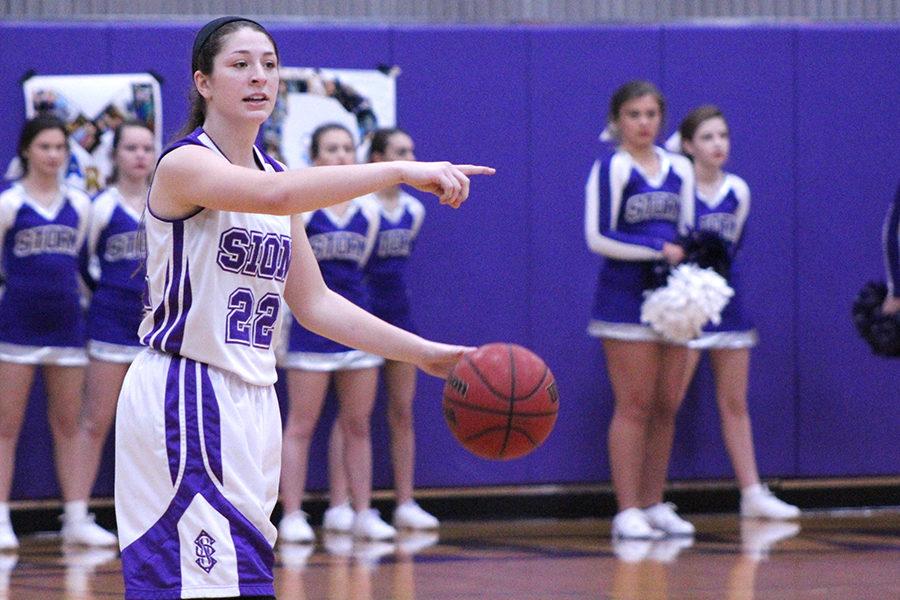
{"x": 198, "y": 432}
{"x": 342, "y": 237}
{"x": 721, "y": 207}
{"x": 116, "y": 254}
{"x": 401, "y": 218}
{"x": 637, "y": 200}
{"x": 43, "y": 224}
{"x": 891, "y": 242}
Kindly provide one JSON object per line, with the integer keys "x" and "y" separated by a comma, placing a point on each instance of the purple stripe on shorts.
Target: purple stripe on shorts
{"x": 212, "y": 435}
{"x": 194, "y": 460}
{"x": 173, "y": 429}
{"x": 158, "y": 313}
{"x": 173, "y": 343}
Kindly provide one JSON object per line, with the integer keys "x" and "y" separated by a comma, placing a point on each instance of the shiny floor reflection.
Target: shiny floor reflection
{"x": 838, "y": 556}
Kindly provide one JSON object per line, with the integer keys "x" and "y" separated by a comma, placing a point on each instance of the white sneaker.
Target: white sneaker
{"x": 294, "y": 529}
{"x": 762, "y": 504}
{"x": 84, "y": 532}
{"x": 632, "y": 524}
{"x": 8, "y": 540}
{"x": 368, "y": 524}
{"x": 662, "y": 516}
{"x": 758, "y": 536}
{"x": 339, "y": 518}
{"x": 410, "y": 515}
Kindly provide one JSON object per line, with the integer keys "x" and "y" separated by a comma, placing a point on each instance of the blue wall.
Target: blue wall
{"x": 815, "y": 132}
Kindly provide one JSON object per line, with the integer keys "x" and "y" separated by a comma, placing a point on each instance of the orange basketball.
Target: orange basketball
{"x": 500, "y": 401}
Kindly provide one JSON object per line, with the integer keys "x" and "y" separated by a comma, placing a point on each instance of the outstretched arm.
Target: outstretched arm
{"x": 193, "y": 176}
{"x": 324, "y": 312}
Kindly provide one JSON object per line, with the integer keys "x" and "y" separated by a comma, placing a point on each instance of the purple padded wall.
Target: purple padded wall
{"x": 463, "y": 96}
{"x": 847, "y": 138}
{"x": 814, "y": 132}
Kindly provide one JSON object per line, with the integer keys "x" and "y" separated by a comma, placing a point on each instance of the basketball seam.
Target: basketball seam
{"x": 512, "y": 397}
{"x": 497, "y": 411}
{"x": 484, "y": 432}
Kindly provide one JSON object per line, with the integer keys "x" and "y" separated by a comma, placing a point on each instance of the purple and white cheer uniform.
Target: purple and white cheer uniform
{"x": 116, "y": 251}
{"x": 342, "y": 244}
{"x": 386, "y": 270}
{"x": 42, "y": 258}
{"x": 629, "y": 215}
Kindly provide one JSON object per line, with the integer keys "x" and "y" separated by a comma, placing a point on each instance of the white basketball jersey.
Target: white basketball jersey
{"x": 215, "y": 283}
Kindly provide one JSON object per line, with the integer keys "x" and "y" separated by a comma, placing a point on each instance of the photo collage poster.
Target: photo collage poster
{"x": 92, "y": 106}
{"x": 361, "y": 100}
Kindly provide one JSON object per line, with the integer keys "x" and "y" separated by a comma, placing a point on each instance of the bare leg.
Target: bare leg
{"x": 65, "y": 386}
{"x": 693, "y": 359}
{"x": 661, "y": 432}
{"x": 17, "y": 380}
{"x": 633, "y": 368}
{"x": 356, "y": 394}
{"x": 103, "y": 383}
{"x": 400, "y": 379}
{"x": 731, "y": 369}
{"x": 306, "y": 391}
{"x": 338, "y": 484}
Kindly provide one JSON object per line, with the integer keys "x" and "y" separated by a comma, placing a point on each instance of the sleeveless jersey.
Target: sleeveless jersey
{"x": 385, "y": 272}
{"x": 216, "y": 281}
{"x": 116, "y": 250}
{"x": 628, "y": 217}
{"x": 342, "y": 245}
{"x": 42, "y": 257}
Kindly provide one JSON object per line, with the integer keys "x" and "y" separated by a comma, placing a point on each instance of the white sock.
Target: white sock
{"x": 75, "y": 510}
{"x": 752, "y": 490}
{"x": 4, "y": 512}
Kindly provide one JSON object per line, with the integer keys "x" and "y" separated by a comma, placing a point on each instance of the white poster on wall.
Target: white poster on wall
{"x": 92, "y": 106}
{"x": 361, "y": 100}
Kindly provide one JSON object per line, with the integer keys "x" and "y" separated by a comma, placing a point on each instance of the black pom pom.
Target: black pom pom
{"x": 707, "y": 250}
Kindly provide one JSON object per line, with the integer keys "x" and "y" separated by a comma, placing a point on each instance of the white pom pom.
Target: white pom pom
{"x": 691, "y": 298}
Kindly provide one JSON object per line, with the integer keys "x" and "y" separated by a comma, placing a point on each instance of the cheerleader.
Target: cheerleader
{"x": 116, "y": 255}
{"x": 43, "y": 224}
{"x": 401, "y": 219}
{"x": 722, "y": 206}
{"x": 342, "y": 237}
{"x": 637, "y": 201}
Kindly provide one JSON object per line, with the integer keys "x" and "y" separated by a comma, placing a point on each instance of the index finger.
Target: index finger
{"x": 476, "y": 169}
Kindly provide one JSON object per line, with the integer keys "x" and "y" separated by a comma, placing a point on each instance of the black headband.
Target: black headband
{"x": 207, "y": 30}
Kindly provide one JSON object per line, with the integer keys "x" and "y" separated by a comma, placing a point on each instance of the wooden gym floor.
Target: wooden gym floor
{"x": 826, "y": 555}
